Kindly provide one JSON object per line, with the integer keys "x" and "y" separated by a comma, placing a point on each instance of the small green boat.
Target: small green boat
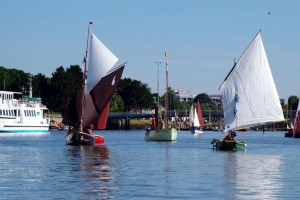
{"x": 220, "y": 145}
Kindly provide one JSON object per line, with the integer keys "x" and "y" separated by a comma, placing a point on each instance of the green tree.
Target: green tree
{"x": 58, "y": 85}
{"x": 14, "y": 80}
{"x": 173, "y": 103}
{"x": 64, "y": 85}
{"x": 41, "y": 87}
{"x": 293, "y": 102}
{"x": 74, "y": 76}
{"x": 135, "y": 94}
{"x": 203, "y": 98}
{"x": 116, "y": 103}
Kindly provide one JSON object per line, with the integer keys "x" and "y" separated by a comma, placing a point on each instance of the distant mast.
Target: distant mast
{"x": 167, "y": 94}
{"x": 30, "y": 85}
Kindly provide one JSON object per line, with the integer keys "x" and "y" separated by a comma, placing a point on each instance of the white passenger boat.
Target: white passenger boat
{"x": 26, "y": 114}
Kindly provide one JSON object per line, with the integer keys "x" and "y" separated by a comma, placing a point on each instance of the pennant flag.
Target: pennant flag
{"x": 84, "y": 60}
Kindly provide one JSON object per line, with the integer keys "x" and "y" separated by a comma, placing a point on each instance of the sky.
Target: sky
{"x": 202, "y": 38}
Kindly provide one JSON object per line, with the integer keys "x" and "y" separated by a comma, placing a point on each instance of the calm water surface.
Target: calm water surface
{"x": 41, "y": 166}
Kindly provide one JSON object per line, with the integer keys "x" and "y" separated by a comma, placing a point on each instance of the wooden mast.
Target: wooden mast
{"x": 167, "y": 98}
{"x": 84, "y": 78}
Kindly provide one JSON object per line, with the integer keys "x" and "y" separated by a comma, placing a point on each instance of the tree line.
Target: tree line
{"x": 130, "y": 95}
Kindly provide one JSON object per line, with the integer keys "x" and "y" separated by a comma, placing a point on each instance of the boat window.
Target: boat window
{"x": 0, "y": 112}
{"x": 18, "y": 112}
{"x": 15, "y": 113}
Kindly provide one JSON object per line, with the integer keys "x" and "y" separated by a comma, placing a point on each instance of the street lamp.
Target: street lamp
{"x": 158, "y": 82}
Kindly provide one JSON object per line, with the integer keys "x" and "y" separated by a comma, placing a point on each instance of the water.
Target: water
{"x": 41, "y": 166}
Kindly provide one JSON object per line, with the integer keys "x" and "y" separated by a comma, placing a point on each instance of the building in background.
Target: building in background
{"x": 183, "y": 95}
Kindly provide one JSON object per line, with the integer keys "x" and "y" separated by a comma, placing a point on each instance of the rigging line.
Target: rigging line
{"x": 238, "y": 60}
{"x": 84, "y": 79}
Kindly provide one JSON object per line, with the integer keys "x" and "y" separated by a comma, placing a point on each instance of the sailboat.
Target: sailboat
{"x": 249, "y": 94}
{"x": 289, "y": 130}
{"x": 196, "y": 120}
{"x": 166, "y": 133}
{"x": 90, "y": 104}
{"x": 297, "y": 122}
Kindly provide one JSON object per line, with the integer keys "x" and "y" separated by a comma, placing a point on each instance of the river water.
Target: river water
{"x": 41, "y": 166}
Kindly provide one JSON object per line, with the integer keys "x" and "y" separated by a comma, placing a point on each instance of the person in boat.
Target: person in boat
{"x": 70, "y": 129}
{"x": 90, "y": 129}
{"x": 230, "y": 137}
{"x": 161, "y": 124}
{"x": 148, "y": 128}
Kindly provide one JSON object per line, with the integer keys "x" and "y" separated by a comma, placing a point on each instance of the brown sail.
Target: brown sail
{"x": 95, "y": 101}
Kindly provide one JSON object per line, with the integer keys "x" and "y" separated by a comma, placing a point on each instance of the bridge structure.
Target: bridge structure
{"x": 121, "y": 120}
{"x": 209, "y": 114}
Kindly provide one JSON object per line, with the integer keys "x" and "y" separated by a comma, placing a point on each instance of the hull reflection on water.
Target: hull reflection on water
{"x": 95, "y": 170}
{"x": 254, "y": 175}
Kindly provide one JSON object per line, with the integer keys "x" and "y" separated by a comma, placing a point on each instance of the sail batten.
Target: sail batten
{"x": 249, "y": 93}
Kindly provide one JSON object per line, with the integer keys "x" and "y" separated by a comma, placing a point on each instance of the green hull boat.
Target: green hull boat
{"x": 220, "y": 145}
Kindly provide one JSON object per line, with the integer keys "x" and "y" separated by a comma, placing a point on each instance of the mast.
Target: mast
{"x": 238, "y": 60}
{"x": 30, "y": 85}
{"x": 167, "y": 98}
{"x": 84, "y": 78}
{"x": 158, "y": 82}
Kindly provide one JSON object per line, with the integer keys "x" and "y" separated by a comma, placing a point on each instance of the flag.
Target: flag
{"x": 84, "y": 60}
{"x": 166, "y": 55}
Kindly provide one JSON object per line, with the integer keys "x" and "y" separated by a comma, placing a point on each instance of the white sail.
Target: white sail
{"x": 100, "y": 61}
{"x": 249, "y": 93}
{"x": 191, "y": 115}
{"x": 196, "y": 119}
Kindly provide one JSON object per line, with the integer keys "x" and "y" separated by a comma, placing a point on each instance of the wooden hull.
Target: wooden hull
{"x": 168, "y": 134}
{"x": 81, "y": 138}
{"x": 228, "y": 145}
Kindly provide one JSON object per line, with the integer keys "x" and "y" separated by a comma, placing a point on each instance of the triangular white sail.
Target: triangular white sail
{"x": 196, "y": 119}
{"x": 249, "y": 93}
{"x": 191, "y": 115}
{"x": 100, "y": 61}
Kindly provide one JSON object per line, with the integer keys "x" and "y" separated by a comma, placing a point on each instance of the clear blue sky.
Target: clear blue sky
{"x": 202, "y": 37}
